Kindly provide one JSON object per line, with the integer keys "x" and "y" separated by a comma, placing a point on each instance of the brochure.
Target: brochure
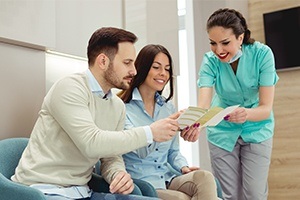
{"x": 206, "y": 117}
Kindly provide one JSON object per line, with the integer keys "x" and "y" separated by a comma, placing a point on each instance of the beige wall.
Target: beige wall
{"x": 258, "y": 7}
{"x": 28, "y": 28}
{"x": 22, "y": 86}
{"x": 284, "y": 176}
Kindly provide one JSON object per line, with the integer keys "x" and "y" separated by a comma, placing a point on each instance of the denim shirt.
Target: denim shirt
{"x": 151, "y": 163}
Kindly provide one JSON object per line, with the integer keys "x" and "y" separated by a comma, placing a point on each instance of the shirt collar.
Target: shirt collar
{"x": 160, "y": 100}
{"x": 95, "y": 87}
{"x": 136, "y": 95}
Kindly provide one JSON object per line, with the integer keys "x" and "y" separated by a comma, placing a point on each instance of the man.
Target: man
{"x": 82, "y": 121}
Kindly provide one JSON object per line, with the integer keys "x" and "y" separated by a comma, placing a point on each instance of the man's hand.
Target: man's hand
{"x": 191, "y": 133}
{"x": 122, "y": 183}
{"x": 164, "y": 129}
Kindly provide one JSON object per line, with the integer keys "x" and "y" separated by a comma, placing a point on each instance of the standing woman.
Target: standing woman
{"x": 242, "y": 71}
{"x": 144, "y": 105}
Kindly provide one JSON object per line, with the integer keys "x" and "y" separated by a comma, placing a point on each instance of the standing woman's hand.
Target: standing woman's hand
{"x": 239, "y": 115}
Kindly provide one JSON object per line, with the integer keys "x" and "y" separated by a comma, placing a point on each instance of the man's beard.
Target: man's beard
{"x": 111, "y": 76}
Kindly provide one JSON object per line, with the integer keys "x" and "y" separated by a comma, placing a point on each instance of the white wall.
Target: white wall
{"x": 27, "y": 22}
{"x": 76, "y": 20}
{"x": 156, "y": 22}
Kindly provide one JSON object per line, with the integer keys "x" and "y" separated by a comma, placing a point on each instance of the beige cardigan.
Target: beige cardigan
{"x": 76, "y": 128}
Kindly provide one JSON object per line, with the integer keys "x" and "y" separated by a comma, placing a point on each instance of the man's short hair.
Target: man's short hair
{"x": 106, "y": 40}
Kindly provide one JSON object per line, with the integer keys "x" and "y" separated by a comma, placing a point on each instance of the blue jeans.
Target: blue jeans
{"x": 108, "y": 196}
{"x": 104, "y": 196}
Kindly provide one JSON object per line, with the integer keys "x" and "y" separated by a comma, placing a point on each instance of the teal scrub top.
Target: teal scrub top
{"x": 256, "y": 68}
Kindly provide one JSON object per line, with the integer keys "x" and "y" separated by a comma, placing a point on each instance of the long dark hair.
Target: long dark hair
{"x": 230, "y": 18}
{"x": 143, "y": 64}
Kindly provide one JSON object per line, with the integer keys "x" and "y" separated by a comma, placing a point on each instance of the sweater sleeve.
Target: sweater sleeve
{"x": 112, "y": 165}
{"x": 69, "y": 105}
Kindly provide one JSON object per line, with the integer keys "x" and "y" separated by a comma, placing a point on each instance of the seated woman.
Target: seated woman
{"x": 144, "y": 105}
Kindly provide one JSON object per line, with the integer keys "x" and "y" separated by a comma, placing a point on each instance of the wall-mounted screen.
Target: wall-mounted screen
{"x": 282, "y": 34}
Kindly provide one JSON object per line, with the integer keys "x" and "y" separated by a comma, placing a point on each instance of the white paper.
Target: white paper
{"x": 194, "y": 114}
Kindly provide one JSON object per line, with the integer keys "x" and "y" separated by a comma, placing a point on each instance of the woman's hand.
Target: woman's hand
{"x": 191, "y": 133}
{"x": 186, "y": 169}
{"x": 239, "y": 115}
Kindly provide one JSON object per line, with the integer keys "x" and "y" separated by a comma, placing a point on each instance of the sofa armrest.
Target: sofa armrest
{"x": 98, "y": 184}
{"x": 146, "y": 188}
{"x": 10, "y": 190}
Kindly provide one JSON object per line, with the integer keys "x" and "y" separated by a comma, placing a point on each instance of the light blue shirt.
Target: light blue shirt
{"x": 256, "y": 68}
{"x": 151, "y": 163}
{"x": 95, "y": 87}
{"x": 73, "y": 192}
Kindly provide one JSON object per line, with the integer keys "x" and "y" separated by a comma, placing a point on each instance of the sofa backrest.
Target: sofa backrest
{"x": 11, "y": 150}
